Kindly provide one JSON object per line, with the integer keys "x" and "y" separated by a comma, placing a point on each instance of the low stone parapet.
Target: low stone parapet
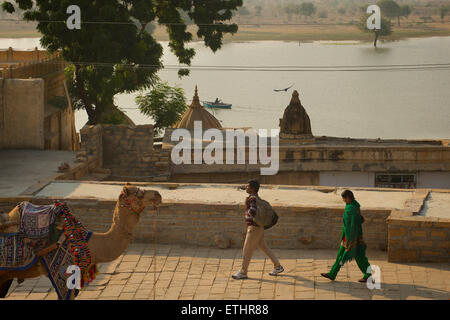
{"x": 417, "y": 238}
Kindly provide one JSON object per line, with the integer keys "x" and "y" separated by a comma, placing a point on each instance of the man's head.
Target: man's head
{"x": 347, "y": 196}
{"x": 252, "y": 186}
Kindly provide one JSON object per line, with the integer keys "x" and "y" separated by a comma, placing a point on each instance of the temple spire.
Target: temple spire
{"x": 295, "y": 120}
{"x": 196, "y": 100}
{"x": 196, "y": 112}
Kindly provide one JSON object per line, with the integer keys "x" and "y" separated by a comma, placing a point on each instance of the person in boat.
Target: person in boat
{"x": 217, "y": 101}
{"x": 352, "y": 244}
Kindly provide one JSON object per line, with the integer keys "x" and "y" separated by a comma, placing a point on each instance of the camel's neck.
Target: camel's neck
{"x": 106, "y": 247}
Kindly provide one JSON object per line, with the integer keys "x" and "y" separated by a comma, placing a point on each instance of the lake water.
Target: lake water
{"x": 359, "y": 104}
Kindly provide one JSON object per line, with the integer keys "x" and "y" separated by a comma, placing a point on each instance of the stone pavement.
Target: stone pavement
{"x": 186, "y": 272}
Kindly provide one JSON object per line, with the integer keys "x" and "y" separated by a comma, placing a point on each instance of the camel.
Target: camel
{"x": 104, "y": 247}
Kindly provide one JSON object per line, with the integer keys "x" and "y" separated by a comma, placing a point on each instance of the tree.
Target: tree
{"x": 291, "y": 9}
{"x": 405, "y": 11}
{"x": 390, "y": 9}
{"x": 243, "y": 11}
{"x": 258, "y": 10}
{"x": 307, "y": 9}
{"x": 386, "y": 28}
{"x": 165, "y": 104}
{"x": 121, "y": 56}
{"x": 323, "y": 14}
{"x": 342, "y": 11}
{"x": 443, "y": 11}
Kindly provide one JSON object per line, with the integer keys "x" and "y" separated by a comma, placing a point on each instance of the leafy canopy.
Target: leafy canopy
{"x": 385, "y": 27}
{"x": 114, "y": 52}
{"x": 389, "y": 8}
{"x": 165, "y": 104}
{"x": 307, "y": 9}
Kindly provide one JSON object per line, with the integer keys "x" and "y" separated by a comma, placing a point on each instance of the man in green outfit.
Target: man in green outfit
{"x": 352, "y": 244}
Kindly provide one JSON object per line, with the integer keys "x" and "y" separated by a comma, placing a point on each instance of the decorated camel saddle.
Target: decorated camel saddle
{"x": 49, "y": 234}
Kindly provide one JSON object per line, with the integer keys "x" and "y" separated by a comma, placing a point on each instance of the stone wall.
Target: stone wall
{"x": 382, "y": 158}
{"x": 58, "y": 125}
{"x": 128, "y": 152}
{"x": 11, "y": 55}
{"x": 417, "y": 238}
{"x": 198, "y": 224}
{"x": 2, "y": 134}
{"x": 91, "y": 150}
{"x": 23, "y": 114}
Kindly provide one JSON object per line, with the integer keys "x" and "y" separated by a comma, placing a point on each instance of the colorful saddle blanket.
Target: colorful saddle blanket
{"x": 37, "y": 231}
{"x": 18, "y": 251}
{"x": 36, "y": 221}
{"x": 15, "y": 253}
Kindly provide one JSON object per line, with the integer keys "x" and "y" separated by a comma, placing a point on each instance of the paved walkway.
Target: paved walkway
{"x": 205, "y": 273}
{"x": 22, "y": 169}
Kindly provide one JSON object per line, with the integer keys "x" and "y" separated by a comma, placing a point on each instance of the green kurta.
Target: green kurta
{"x": 352, "y": 244}
{"x": 352, "y": 235}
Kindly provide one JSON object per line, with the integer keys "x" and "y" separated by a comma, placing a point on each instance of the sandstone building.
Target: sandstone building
{"x": 35, "y": 108}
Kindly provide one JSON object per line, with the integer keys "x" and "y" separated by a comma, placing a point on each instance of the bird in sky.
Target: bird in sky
{"x": 285, "y": 90}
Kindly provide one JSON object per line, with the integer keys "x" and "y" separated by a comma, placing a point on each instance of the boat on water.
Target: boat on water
{"x": 218, "y": 104}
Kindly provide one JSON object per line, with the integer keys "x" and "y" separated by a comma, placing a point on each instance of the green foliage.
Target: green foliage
{"x": 342, "y": 11}
{"x": 165, "y": 104}
{"x": 113, "y": 116}
{"x": 243, "y": 11}
{"x": 443, "y": 11}
{"x": 258, "y": 11}
{"x": 386, "y": 27}
{"x": 389, "y": 8}
{"x": 307, "y": 9}
{"x": 106, "y": 57}
{"x": 405, "y": 10}
{"x": 291, "y": 8}
{"x": 323, "y": 14}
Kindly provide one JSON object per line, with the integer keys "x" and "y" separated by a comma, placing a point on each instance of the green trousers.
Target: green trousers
{"x": 362, "y": 262}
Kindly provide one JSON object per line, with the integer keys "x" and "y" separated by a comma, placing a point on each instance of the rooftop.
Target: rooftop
{"x": 226, "y": 194}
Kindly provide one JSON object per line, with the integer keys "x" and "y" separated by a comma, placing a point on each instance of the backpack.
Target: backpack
{"x": 265, "y": 215}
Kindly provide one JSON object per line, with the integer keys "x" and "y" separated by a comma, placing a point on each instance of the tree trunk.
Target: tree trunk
{"x": 376, "y": 39}
{"x": 83, "y": 96}
{"x": 398, "y": 18}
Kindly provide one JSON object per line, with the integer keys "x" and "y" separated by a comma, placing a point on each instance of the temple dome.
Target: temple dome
{"x": 295, "y": 120}
{"x": 196, "y": 112}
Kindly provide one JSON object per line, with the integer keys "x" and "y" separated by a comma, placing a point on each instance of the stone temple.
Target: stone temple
{"x": 196, "y": 112}
{"x": 295, "y": 123}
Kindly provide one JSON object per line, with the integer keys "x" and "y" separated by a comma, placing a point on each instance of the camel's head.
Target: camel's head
{"x": 137, "y": 199}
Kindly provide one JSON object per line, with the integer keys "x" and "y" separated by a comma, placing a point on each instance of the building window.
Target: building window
{"x": 396, "y": 180}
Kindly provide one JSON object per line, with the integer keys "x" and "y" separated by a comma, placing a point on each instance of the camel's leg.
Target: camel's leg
{"x": 4, "y": 287}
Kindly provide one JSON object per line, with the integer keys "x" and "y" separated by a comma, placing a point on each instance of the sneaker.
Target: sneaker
{"x": 277, "y": 271}
{"x": 239, "y": 276}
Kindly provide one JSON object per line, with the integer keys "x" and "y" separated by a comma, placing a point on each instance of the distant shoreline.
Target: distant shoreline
{"x": 307, "y": 33}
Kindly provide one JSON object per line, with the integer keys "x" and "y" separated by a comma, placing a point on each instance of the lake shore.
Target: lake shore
{"x": 311, "y": 32}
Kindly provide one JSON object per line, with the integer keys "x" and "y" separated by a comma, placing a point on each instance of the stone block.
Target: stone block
{"x": 397, "y": 232}
{"x": 397, "y": 255}
{"x": 418, "y": 233}
{"x": 438, "y": 234}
